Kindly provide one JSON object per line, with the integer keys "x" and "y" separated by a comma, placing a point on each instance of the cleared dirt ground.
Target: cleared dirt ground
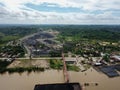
{"x": 29, "y": 63}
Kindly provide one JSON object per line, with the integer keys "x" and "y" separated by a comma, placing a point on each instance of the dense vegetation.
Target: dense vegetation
{"x": 56, "y": 64}
{"x": 16, "y": 51}
{"x": 98, "y": 32}
{"x": 3, "y": 65}
{"x": 8, "y": 33}
{"x": 18, "y": 30}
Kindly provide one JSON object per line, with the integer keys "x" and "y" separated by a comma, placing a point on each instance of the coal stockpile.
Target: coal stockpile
{"x": 110, "y": 70}
{"x": 49, "y": 41}
{"x": 117, "y": 67}
{"x": 62, "y": 86}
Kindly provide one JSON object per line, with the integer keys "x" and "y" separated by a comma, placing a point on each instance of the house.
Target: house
{"x": 115, "y": 58}
{"x": 97, "y": 64}
{"x": 70, "y": 60}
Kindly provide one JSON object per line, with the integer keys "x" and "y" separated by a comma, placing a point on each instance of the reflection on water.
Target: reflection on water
{"x": 27, "y": 81}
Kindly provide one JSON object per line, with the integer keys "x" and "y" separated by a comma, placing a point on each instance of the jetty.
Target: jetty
{"x": 60, "y": 86}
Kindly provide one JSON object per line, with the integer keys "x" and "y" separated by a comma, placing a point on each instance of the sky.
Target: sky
{"x": 60, "y": 12}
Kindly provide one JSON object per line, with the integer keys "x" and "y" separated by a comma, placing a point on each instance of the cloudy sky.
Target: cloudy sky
{"x": 59, "y": 11}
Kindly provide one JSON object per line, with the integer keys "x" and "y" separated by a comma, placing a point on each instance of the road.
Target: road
{"x": 36, "y": 58}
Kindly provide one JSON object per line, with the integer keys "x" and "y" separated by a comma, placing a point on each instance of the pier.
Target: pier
{"x": 66, "y": 76}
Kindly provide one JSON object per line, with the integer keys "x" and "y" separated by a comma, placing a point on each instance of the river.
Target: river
{"x": 27, "y": 81}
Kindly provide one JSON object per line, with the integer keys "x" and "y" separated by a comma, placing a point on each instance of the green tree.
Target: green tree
{"x": 106, "y": 57}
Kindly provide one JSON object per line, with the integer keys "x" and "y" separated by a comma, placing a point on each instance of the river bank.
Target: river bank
{"x": 26, "y": 81}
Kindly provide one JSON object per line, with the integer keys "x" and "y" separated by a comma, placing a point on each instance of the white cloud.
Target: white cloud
{"x": 84, "y": 4}
{"x": 15, "y": 11}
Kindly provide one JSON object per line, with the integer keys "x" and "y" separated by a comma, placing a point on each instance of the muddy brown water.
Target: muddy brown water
{"x": 27, "y": 81}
